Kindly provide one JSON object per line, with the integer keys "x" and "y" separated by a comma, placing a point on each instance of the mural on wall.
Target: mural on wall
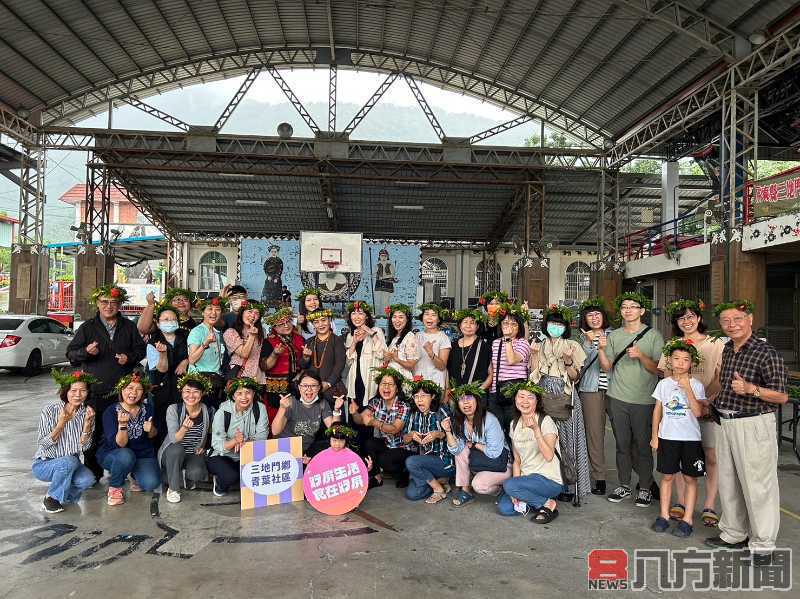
{"x": 390, "y": 273}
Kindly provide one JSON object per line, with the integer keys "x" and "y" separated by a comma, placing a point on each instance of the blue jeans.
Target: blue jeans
{"x": 533, "y": 489}
{"x": 68, "y": 478}
{"x": 122, "y": 462}
{"x": 421, "y": 469}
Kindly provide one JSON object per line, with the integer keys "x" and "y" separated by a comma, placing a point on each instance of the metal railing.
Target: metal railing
{"x": 671, "y": 236}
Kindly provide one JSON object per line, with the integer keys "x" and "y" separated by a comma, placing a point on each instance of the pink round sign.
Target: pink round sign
{"x": 335, "y": 482}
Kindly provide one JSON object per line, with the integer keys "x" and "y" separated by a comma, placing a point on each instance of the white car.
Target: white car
{"x": 28, "y": 342}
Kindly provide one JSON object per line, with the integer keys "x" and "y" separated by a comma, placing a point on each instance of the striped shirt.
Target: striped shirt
{"x": 602, "y": 377}
{"x": 428, "y": 423}
{"x": 194, "y": 436}
{"x": 69, "y": 443}
{"x": 510, "y": 371}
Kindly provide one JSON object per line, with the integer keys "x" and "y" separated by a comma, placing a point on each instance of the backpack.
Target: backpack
{"x": 256, "y": 411}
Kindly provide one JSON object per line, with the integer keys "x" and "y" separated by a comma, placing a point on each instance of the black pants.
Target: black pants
{"x": 99, "y": 402}
{"x": 226, "y": 470}
{"x": 504, "y": 411}
{"x": 384, "y": 459}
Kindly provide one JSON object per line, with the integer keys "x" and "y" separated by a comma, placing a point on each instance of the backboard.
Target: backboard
{"x": 330, "y": 252}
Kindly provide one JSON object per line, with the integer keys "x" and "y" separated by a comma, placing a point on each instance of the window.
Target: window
{"x": 38, "y": 326}
{"x": 578, "y": 282}
{"x": 488, "y": 281}
{"x": 516, "y": 288}
{"x": 434, "y": 270}
{"x": 213, "y": 271}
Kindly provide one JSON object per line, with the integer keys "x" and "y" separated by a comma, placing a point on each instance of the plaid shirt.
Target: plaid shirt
{"x": 758, "y": 363}
{"x": 398, "y": 411}
{"x": 427, "y": 423}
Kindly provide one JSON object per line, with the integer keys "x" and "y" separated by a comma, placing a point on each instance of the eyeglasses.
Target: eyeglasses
{"x": 726, "y": 322}
{"x": 387, "y": 384}
{"x": 687, "y": 318}
{"x": 630, "y": 307}
{"x": 103, "y": 302}
{"x": 313, "y": 386}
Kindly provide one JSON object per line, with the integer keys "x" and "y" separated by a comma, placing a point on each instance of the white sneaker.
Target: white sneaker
{"x": 173, "y": 496}
{"x": 217, "y": 492}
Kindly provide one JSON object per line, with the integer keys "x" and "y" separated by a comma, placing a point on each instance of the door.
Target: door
{"x": 61, "y": 336}
{"x": 40, "y": 338}
{"x": 783, "y": 312}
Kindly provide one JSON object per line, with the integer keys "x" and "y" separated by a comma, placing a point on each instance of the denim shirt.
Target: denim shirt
{"x": 492, "y": 437}
{"x": 592, "y": 374}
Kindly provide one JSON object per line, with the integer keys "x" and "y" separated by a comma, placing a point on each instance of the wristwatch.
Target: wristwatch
{"x": 757, "y": 392}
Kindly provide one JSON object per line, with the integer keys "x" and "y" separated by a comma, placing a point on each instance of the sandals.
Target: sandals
{"x": 462, "y": 499}
{"x": 710, "y": 517}
{"x": 677, "y": 511}
{"x": 545, "y": 515}
{"x": 435, "y": 498}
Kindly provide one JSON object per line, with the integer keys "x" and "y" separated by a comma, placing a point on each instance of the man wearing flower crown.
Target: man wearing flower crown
{"x": 108, "y": 347}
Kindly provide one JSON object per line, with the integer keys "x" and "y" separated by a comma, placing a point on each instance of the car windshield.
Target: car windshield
{"x": 9, "y": 324}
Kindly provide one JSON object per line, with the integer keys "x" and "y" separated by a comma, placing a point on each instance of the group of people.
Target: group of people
{"x": 499, "y": 412}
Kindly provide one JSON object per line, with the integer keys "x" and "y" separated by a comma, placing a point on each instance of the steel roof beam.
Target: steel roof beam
{"x": 295, "y": 101}
{"x": 492, "y": 131}
{"x": 370, "y": 103}
{"x": 157, "y": 113}
{"x": 767, "y": 61}
{"x": 423, "y": 103}
{"x": 688, "y": 22}
{"x": 237, "y": 98}
{"x": 332, "y": 75}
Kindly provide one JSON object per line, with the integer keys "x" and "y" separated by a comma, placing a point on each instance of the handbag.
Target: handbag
{"x": 480, "y": 462}
{"x": 499, "y": 398}
{"x": 556, "y": 403}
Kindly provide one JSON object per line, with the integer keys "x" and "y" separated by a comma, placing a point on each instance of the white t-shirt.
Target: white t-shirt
{"x": 677, "y": 421}
{"x": 425, "y": 366}
{"x": 531, "y": 459}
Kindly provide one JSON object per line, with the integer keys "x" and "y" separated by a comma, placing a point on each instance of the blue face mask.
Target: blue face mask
{"x": 555, "y": 330}
{"x": 168, "y": 326}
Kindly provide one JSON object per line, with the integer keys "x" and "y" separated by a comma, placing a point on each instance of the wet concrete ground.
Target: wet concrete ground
{"x": 205, "y": 547}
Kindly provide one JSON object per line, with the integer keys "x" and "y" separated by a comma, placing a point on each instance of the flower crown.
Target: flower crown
{"x": 395, "y": 374}
{"x": 563, "y": 311}
{"x": 440, "y": 312}
{"x": 514, "y": 310}
{"x": 195, "y": 377}
{"x": 312, "y": 316}
{"x": 337, "y": 430}
{"x": 64, "y": 378}
{"x": 473, "y": 389}
{"x": 112, "y": 290}
{"x": 684, "y": 344}
{"x": 162, "y": 306}
{"x": 633, "y": 296}
{"x": 389, "y": 310}
{"x": 251, "y": 305}
{"x": 359, "y": 305}
{"x": 309, "y": 291}
{"x": 593, "y": 303}
{"x": 680, "y": 306}
{"x": 419, "y": 383}
{"x": 477, "y": 315}
{"x": 174, "y": 292}
{"x": 243, "y": 383}
{"x": 137, "y": 376}
{"x": 280, "y": 316}
{"x": 512, "y": 390}
{"x": 741, "y": 305}
{"x": 500, "y": 296}
{"x": 202, "y": 304}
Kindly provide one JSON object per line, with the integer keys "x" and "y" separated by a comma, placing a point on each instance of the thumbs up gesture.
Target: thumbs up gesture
{"x": 148, "y": 425}
{"x": 739, "y": 385}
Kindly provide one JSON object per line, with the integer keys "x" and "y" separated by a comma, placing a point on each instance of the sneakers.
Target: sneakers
{"x": 173, "y": 496}
{"x": 620, "y": 493}
{"x": 51, "y": 506}
{"x": 134, "y": 486}
{"x": 599, "y": 487}
{"x": 191, "y": 485}
{"x": 217, "y": 491}
{"x": 718, "y": 543}
{"x": 644, "y": 498}
{"x": 115, "y": 496}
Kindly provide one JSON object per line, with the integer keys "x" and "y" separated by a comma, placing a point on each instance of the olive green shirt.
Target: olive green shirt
{"x": 630, "y": 382}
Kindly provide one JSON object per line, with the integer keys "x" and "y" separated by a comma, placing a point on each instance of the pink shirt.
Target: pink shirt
{"x": 510, "y": 371}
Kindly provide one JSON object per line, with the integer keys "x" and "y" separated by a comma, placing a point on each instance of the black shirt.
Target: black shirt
{"x": 478, "y": 354}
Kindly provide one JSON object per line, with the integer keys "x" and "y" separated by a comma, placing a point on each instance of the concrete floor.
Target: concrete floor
{"x": 390, "y": 547}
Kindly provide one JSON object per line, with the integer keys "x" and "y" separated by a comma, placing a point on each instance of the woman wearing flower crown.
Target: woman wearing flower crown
{"x": 309, "y": 300}
{"x": 556, "y": 363}
{"x": 126, "y": 447}
{"x": 434, "y": 346}
{"x": 65, "y": 432}
{"x": 281, "y": 356}
{"x": 188, "y": 424}
{"x": 365, "y": 345}
{"x": 402, "y": 352}
{"x": 206, "y": 348}
{"x": 686, "y": 317}
{"x": 324, "y": 356}
{"x": 244, "y": 340}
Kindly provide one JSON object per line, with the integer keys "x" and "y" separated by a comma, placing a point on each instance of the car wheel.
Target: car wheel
{"x": 34, "y": 364}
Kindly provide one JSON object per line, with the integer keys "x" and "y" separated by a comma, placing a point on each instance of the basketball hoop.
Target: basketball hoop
{"x": 330, "y": 258}
{"x": 330, "y": 265}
